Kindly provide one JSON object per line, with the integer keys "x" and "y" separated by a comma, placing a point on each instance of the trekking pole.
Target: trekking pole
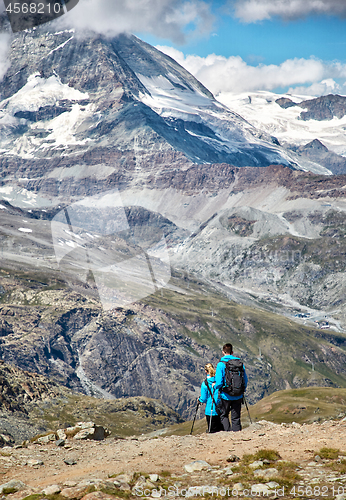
{"x": 247, "y": 408}
{"x": 193, "y": 423}
{"x": 211, "y": 416}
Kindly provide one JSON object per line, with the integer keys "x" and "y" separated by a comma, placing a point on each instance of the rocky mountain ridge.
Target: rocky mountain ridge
{"x": 118, "y": 104}
{"x": 320, "y": 108}
{"x": 297, "y": 122}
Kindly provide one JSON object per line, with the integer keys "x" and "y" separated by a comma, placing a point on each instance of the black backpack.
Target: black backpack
{"x": 234, "y": 377}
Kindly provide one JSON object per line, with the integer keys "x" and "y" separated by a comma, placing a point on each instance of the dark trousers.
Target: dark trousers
{"x": 233, "y": 407}
{"x": 215, "y": 424}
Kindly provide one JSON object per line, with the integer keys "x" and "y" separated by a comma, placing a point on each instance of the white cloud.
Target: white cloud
{"x": 169, "y": 19}
{"x": 258, "y": 10}
{"x": 221, "y": 74}
{"x": 4, "y": 50}
{"x": 325, "y": 87}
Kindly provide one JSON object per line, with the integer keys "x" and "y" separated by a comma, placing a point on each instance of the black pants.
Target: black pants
{"x": 234, "y": 407}
{"x": 215, "y": 425}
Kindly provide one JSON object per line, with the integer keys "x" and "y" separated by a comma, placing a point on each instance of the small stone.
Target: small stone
{"x": 91, "y": 482}
{"x": 97, "y": 495}
{"x": 317, "y": 458}
{"x": 315, "y": 480}
{"x": 85, "y": 434}
{"x": 70, "y": 484}
{"x": 33, "y": 462}
{"x": 272, "y": 485}
{"x": 238, "y": 487}
{"x": 154, "y": 477}
{"x": 197, "y": 465}
{"x": 124, "y": 487}
{"x": 46, "y": 439}
{"x": 140, "y": 482}
{"x": 341, "y": 497}
{"x": 61, "y": 434}
{"x": 228, "y": 471}
{"x": 54, "y": 489}
{"x": 232, "y": 458}
{"x": 259, "y": 488}
{"x": 60, "y": 442}
{"x": 70, "y": 461}
{"x": 71, "y": 493}
{"x": 266, "y": 473}
{"x": 85, "y": 425}
{"x": 256, "y": 464}
{"x": 124, "y": 478}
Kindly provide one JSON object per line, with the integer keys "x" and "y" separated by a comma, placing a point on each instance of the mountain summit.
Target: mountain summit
{"x": 70, "y": 102}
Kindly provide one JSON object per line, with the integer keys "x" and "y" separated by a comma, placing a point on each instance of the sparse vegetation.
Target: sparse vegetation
{"x": 329, "y": 453}
{"x": 270, "y": 455}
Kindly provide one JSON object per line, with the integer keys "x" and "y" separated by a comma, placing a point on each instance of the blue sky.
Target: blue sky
{"x": 274, "y": 36}
{"x": 270, "y": 41}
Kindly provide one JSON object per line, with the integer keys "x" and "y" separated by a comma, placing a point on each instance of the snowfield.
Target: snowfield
{"x": 261, "y": 110}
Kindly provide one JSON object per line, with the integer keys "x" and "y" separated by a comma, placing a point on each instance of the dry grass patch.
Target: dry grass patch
{"x": 329, "y": 453}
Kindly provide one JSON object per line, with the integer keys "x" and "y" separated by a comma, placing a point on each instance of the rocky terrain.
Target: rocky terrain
{"x": 31, "y": 405}
{"x": 264, "y": 459}
{"x": 158, "y": 347}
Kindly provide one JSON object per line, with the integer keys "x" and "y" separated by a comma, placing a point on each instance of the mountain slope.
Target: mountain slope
{"x": 297, "y": 122}
{"x": 115, "y": 103}
{"x": 54, "y": 324}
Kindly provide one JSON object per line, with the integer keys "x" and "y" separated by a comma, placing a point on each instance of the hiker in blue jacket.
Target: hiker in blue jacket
{"x": 228, "y": 404}
{"x": 208, "y": 393}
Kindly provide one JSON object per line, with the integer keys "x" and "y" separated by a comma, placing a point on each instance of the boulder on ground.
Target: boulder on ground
{"x": 197, "y": 465}
{"x": 6, "y": 440}
{"x": 86, "y": 430}
{"x": 12, "y": 487}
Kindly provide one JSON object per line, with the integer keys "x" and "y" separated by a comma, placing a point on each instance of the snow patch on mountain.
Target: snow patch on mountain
{"x": 35, "y": 95}
{"x": 64, "y": 126}
{"x": 165, "y": 97}
{"x": 261, "y": 110}
{"x": 39, "y": 92}
{"x": 172, "y": 99}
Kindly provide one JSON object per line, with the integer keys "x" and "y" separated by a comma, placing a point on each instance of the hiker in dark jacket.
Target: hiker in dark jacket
{"x": 207, "y": 395}
{"x": 228, "y": 404}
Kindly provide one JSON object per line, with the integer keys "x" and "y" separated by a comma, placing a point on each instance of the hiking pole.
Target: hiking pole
{"x": 193, "y": 423}
{"x": 244, "y": 399}
{"x": 211, "y": 417}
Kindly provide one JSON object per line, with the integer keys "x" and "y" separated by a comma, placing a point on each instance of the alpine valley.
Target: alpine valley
{"x": 143, "y": 224}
